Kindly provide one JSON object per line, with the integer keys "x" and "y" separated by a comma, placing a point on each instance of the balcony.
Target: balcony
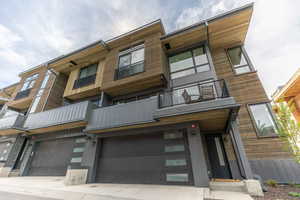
{"x": 122, "y": 115}
{"x": 11, "y": 124}
{"x": 70, "y": 116}
{"x": 208, "y": 102}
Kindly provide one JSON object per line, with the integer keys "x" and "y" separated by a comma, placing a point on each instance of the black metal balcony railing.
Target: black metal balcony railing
{"x": 130, "y": 70}
{"x": 193, "y": 93}
{"x": 22, "y": 94}
{"x": 84, "y": 81}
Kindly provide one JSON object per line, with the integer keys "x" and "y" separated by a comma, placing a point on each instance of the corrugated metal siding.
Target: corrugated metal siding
{"x": 8, "y": 122}
{"x": 123, "y": 114}
{"x": 61, "y": 115}
{"x": 281, "y": 170}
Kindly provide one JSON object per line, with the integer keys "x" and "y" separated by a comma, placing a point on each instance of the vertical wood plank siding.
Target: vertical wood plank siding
{"x": 247, "y": 88}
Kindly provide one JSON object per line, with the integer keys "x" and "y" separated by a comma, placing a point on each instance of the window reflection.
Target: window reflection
{"x": 263, "y": 119}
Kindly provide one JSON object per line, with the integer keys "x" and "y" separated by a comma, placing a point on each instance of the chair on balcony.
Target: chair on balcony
{"x": 206, "y": 93}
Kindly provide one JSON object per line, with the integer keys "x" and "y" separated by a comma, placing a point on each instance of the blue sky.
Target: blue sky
{"x": 34, "y": 31}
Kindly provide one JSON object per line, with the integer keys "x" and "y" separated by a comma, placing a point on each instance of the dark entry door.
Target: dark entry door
{"x": 217, "y": 157}
{"x": 51, "y": 157}
{"x": 156, "y": 158}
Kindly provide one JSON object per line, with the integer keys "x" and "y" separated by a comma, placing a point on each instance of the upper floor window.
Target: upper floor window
{"x": 238, "y": 60}
{"x": 29, "y": 82}
{"x": 131, "y": 61}
{"x": 87, "y": 76}
{"x": 264, "y": 121}
{"x": 88, "y": 71}
{"x": 189, "y": 62}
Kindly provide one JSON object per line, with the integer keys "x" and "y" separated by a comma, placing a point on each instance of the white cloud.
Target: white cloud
{"x": 39, "y": 31}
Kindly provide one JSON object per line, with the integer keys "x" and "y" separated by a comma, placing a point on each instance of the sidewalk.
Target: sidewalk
{"x": 53, "y": 187}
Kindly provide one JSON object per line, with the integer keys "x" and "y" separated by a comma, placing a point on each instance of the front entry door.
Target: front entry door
{"x": 217, "y": 157}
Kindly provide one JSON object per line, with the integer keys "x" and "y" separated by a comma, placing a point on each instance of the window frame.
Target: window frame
{"x": 247, "y": 59}
{"x": 190, "y": 49}
{"x": 29, "y": 80}
{"x": 129, "y": 51}
{"x": 267, "y": 103}
{"x": 85, "y": 67}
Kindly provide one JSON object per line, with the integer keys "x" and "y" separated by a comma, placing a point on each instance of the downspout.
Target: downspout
{"x": 207, "y": 33}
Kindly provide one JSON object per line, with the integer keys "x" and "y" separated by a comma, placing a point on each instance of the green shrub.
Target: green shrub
{"x": 271, "y": 183}
{"x": 294, "y": 194}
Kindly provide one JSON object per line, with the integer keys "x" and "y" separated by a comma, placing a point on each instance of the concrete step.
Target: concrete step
{"x": 14, "y": 173}
{"x": 228, "y": 186}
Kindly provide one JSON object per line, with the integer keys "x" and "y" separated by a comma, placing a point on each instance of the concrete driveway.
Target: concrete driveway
{"x": 53, "y": 188}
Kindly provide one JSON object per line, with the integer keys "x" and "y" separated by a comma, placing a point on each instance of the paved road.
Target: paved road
{"x": 14, "y": 196}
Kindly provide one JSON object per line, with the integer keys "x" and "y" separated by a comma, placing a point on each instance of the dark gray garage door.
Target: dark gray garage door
{"x": 158, "y": 158}
{"x": 51, "y": 158}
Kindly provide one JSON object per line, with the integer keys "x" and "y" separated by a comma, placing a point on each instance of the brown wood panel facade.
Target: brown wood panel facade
{"x": 247, "y": 88}
{"x": 24, "y": 103}
{"x": 153, "y": 67}
{"x": 86, "y": 91}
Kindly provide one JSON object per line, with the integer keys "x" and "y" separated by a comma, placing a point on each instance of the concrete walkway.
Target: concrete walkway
{"x": 53, "y": 187}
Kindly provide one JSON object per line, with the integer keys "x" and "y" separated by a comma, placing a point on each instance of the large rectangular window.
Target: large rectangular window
{"x": 238, "y": 60}
{"x": 87, "y": 71}
{"x": 87, "y": 76}
{"x": 189, "y": 62}
{"x": 131, "y": 61}
{"x": 29, "y": 82}
{"x": 263, "y": 120}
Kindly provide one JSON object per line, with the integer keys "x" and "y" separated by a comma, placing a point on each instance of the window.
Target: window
{"x": 263, "y": 119}
{"x": 177, "y": 162}
{"x": 177, "y": 177}
{"x": 40, "y": 93}
{"x": 76, "y": 160}
{"x": 189, "y": 62}
{"x": 29, "y": 82}
{"x": 88, "y": 71}
{"x": 173, "y": 135}
{"x": 174, "y": 148}
{"x": 87, "y": 76}
{"x": 78, "y": 149}
{"x": 238, "y": 60}
{"x": 131, "y": 61}
{"x": 5, "y": 148}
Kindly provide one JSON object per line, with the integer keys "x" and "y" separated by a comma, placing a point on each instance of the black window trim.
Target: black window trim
{"x": 128, "y": 51}
{"x": 267, "y": 103}
{"x": 190, "y": 49}
{"x": 249, "y": 63}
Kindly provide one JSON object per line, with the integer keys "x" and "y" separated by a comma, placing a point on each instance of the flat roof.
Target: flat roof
{"x": 158, "y": 21}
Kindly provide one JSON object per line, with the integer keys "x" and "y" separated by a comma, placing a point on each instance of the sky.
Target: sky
{"x": 33, "y": 31}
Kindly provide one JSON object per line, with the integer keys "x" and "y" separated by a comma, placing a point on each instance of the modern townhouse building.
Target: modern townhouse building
{"x": 148, "y": 107}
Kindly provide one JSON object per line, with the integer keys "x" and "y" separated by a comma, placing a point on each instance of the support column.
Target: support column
{"x": 199, "y": 167}
{"x": 239, "y": 149}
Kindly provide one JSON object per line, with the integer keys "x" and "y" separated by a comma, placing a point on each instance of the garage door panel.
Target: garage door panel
{"x": 144, "y": 159}
{"x": 137, "y": 145}
{"x": 51, "y": 157}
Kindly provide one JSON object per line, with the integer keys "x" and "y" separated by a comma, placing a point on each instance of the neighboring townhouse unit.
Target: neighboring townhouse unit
{"x": 290, "y": 93}
{"x": 149, "y": 107}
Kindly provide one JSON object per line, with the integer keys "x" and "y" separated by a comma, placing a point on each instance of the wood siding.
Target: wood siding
{"x": 86, "y": 91}
{"x": 153, "y": 68}
{"x": 24, "y": 103}
{"x": 247, "y": 88}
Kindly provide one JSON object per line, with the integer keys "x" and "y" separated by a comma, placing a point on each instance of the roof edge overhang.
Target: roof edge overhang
{"x": 102, "y": 44}
{"x": 205, "y": 22}
{"x": 283, "y": 92}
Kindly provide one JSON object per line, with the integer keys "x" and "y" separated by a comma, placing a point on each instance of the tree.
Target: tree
{"x": 288, "y": 128}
